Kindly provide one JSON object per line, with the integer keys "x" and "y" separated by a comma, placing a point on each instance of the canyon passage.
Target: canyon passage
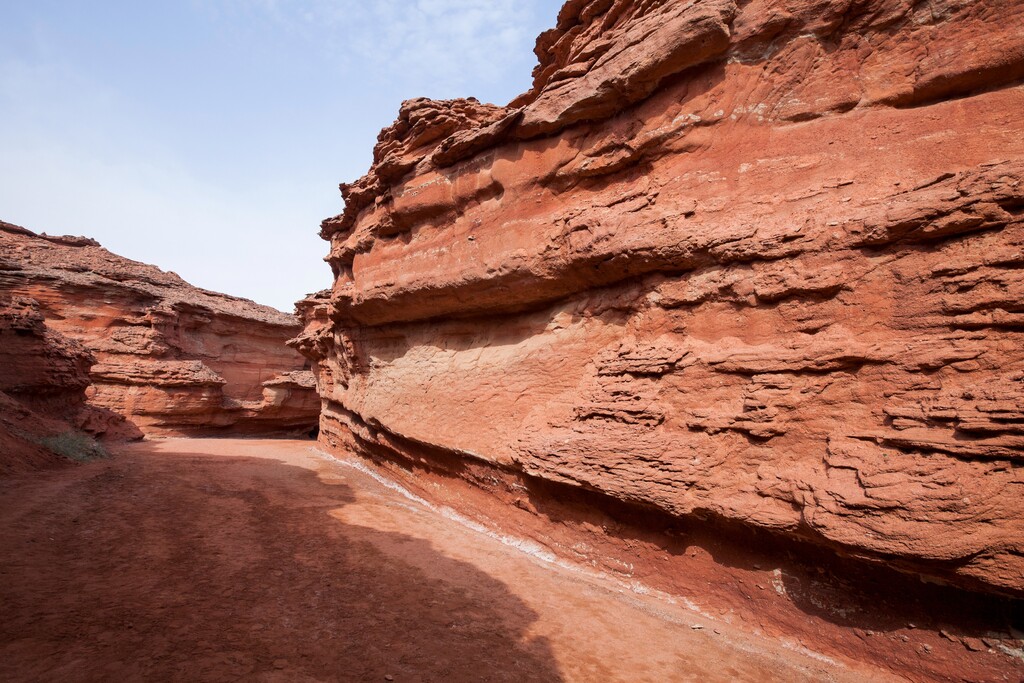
{"x": 262, "y": 560}
{"x": 703, "y": 359}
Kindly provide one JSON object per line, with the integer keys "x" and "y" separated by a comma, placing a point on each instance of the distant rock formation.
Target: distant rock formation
{"x": 755, "y": 262}
{"x": 167, "y": 358}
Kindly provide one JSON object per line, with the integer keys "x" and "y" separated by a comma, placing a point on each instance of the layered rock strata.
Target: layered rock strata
{"x": 756, "y": 261}
{"x": 170, "y": 358}
{"x": 43, "y": 378}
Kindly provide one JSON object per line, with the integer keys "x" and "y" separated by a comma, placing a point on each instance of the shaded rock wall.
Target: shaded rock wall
{"x": 752, "y": 261}
{"x": 43, "y": 378}
{"x": 169, "y": 357}
{"x": 38, "y": 366}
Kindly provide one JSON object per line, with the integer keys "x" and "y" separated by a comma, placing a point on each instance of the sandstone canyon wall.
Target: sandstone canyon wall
{"x": 43, "y": 378}
{"x": 755, "y": 262}
{"x": 169, "y": 358}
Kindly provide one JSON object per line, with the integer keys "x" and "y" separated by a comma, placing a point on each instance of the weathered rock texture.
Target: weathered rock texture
{"x": 43, "y": 378}
{"x": 756, "y": 261}
{"x": 169, "y": 357}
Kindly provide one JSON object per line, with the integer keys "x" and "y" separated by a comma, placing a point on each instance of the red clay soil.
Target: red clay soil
{"x": 262, "y": 560}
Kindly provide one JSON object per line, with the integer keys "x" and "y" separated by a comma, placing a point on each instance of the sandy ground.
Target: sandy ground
{"x": 210, "y": 560}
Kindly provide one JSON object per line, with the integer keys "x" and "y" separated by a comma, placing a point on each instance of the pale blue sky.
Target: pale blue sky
{"x": 208, "y": 137}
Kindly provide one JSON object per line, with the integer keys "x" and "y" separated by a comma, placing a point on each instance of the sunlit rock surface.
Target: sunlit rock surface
{"x": 168, "y": 357}
{"x": 758, "y": 261}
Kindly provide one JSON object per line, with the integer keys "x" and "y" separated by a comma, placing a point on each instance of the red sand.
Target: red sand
{"x": 261, "y": 560}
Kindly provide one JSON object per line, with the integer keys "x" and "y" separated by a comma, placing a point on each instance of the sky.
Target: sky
{"x": 208, "y": 137}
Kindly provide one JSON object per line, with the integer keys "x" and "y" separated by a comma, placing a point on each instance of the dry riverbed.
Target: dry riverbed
{"x": 211, "y": 560}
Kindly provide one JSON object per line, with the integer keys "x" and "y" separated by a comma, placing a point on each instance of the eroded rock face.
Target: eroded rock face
{"x": 40, "y": 367}
{"x": 756, "y": 261}
{"x": 168, "y": 357}
{"x": 43, "y": 378}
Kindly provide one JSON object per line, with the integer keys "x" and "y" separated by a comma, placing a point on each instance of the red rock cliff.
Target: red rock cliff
{"x": 758, "y": 261}
{"x": 169, "y": 357}
{"x": 43, "y": 378}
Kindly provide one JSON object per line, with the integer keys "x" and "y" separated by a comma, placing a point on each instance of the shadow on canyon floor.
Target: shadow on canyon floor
{"x": 176, "y": 567}
{"x": 757, "y": 573}
{"x": 846, "y": 591}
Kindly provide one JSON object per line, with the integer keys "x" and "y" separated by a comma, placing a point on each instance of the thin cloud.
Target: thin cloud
{"x": 445, "y": 45}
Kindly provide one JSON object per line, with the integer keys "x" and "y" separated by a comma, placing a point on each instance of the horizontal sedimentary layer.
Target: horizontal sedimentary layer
{"x": 756, "y": 261}
{"x": 82, "y": 262}
{"x": 165, "y": 355}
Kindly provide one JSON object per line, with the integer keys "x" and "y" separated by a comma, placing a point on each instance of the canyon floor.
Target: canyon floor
{"x": 266, "y": 560}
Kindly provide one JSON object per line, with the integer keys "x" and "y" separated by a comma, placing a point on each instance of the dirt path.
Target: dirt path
{"x": 210, "y": 560}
